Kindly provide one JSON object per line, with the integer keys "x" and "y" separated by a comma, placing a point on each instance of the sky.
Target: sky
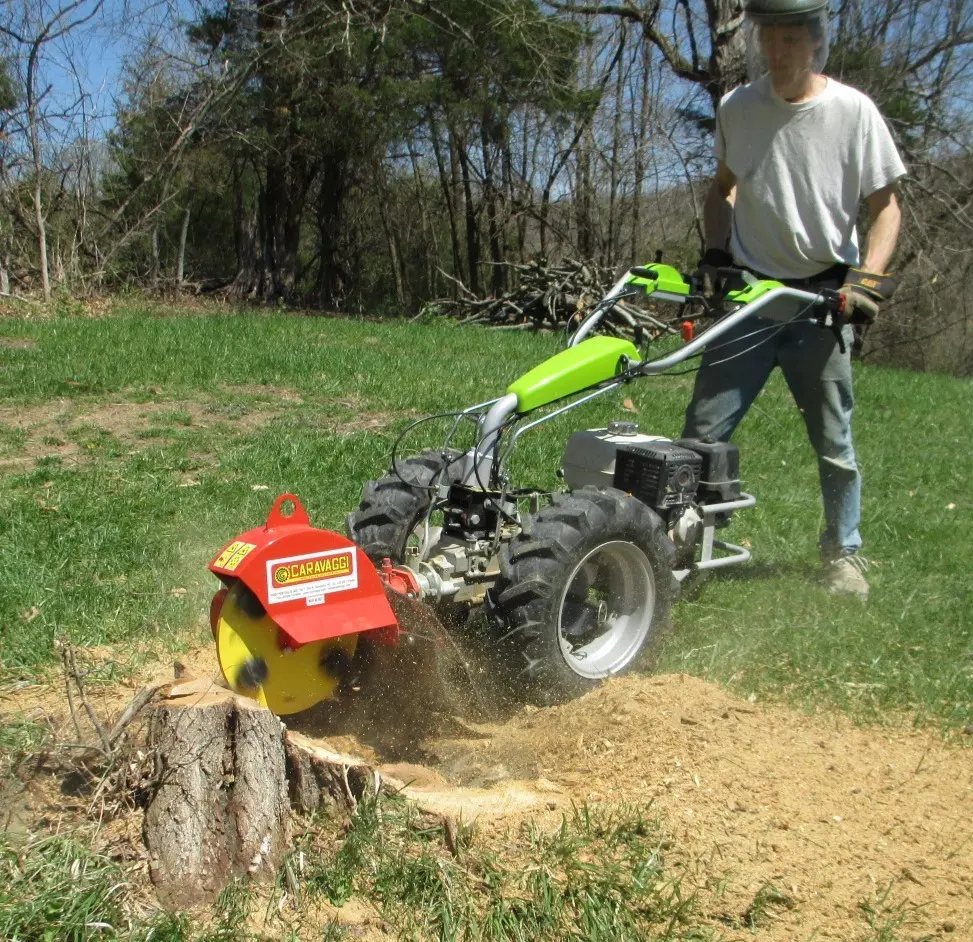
{"x": 92, "y": 55}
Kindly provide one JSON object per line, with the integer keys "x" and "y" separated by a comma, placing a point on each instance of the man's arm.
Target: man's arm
{"x": 718, "y": 208}
{"x": 886, "y": 220}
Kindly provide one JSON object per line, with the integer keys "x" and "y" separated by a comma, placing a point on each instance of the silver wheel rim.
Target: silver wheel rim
{"x": 605, "y": 612}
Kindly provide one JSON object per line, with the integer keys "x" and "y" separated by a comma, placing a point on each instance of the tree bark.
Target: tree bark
{"x": 41, "y": 239}
{"x": 490, "y": 200}
{"x": 246, "y": 238}
{"x": 221, "y": 805}
{"x": 447, "y": 182}
{"x": 472, "y": 227}
{"x": 228, "y": 777}
{"x": 391, "y": 239}
{"x": 156, "y": 262}
{"x": 181, "y": 260}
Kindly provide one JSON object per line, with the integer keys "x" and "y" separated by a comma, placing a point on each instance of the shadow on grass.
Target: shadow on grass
{"x": 804, "y": 572}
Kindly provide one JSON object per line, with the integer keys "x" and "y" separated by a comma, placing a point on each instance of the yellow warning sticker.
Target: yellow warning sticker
{"x": 233, "y": 555}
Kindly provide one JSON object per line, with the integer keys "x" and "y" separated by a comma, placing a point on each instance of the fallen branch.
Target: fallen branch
{"x": 72, "y": 672}
{"x": 549, "y": 298}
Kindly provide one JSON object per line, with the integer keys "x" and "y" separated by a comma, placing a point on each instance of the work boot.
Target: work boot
{"x": 846, "y": 575}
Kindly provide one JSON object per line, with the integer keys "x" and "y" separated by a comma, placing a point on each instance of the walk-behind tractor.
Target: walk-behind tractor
{"x": 570, "y": 586}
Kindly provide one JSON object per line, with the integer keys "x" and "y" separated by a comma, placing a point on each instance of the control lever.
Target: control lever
{"x": 826, "y": 310}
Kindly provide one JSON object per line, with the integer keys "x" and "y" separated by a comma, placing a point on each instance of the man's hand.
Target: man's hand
{"x": 863, "y": 291}
{"x": 859, "y": 307}
{"x": 706, "y": 276}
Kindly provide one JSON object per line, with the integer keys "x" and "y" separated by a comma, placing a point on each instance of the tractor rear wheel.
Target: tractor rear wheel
{"x": 389, "y": 520}
{"x": 582, "y": 592}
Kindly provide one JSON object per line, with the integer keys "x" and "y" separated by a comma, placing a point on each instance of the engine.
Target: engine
{"x": 674, "y": 478}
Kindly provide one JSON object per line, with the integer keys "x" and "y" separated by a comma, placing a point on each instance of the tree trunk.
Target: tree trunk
{"x": 41, "y": 240}
{"x": 391, "y": 239}
{"x": 156, "y": 263}
{"x": 641, "y": 145}
{"x": 245, "y": 232}
{"x": 221, "y": 806}
{"x": 181, "y": 259}
{"x": 447, "y": 184}
{"x": 610, "y": 252}
{"x": 228, "y": 776}
{"x": 498, "y": 273}
{"x": 472, "y": 229}
{"x": 332, "y": 279}
{"x": 430, "y": 249}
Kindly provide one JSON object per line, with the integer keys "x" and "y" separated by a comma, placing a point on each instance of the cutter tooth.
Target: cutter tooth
{"x": 252, "y": 673}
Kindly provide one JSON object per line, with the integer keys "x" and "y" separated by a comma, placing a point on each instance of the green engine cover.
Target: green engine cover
{"x": 572, "y": 371}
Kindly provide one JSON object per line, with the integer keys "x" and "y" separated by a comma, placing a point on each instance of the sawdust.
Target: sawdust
{"x": 833, "y": 818}
{"x": 758, "y": 796}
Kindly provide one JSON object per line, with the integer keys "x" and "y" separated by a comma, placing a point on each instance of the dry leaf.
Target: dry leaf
{"x": 629, "y": 406}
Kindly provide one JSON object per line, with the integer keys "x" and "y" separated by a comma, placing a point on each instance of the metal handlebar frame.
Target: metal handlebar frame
{"x": 482, "y": 459}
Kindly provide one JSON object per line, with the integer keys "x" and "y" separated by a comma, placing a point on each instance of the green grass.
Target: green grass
{"x": 602, "y": 875}
{"x": 97, "y": 544}
{"x": 55, "y": 889}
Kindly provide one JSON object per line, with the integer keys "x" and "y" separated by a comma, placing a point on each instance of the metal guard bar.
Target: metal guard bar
{"x": 738, "y": 554}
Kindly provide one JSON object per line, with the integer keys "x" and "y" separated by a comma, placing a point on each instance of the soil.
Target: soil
{"x": 53, "y": 430}
{"x": 852, "y": 828}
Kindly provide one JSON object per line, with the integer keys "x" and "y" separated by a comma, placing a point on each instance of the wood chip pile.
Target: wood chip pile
{"x": 553, "y": 297}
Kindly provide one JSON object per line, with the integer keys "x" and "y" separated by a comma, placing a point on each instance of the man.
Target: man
{"x": 797, "y": 153}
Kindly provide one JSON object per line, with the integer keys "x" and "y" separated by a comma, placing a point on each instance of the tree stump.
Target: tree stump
{"x": 221, "y": 805}
{"x": 228, "y": 775}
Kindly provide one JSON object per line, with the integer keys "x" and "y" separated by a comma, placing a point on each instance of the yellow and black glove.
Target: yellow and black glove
{"x": 863, "y": 291}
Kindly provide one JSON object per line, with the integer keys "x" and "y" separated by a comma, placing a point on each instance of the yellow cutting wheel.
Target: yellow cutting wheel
{"x": 254, "y": 664}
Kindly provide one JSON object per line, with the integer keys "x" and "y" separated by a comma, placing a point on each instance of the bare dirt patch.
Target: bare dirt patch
{"x": 844, "y": 829}
{"x": 17, "y": 343}
{"x": 55, "y": 429}
{"x": 51, "y": 430}
{"x": 828, "y": 814}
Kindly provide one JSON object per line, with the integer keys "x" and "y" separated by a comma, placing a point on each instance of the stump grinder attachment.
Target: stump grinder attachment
{"x": 299, "y": 604}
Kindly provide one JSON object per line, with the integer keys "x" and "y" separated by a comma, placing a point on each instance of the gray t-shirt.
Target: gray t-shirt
{"x": 802, "y": 171}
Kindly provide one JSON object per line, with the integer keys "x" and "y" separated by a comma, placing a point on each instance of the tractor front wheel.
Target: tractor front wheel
{"x": 582, "y": 592}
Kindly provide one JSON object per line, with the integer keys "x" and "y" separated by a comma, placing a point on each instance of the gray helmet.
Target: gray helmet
{"x": 784, "y": 11}
{"x": 759, "y": 13}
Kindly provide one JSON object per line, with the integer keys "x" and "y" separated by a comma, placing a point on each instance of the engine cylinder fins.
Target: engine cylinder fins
{"x": 282, "y": 679}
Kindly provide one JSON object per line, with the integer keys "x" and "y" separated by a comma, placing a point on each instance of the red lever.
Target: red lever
{"x": 688, "y": 329}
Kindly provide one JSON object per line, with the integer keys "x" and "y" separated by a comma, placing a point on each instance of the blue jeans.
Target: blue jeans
{"x": 819, "y": 377}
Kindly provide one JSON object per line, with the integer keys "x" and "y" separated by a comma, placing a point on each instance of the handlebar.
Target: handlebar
{"x": 744, "y": 312}
{"x": 753, "y": 295}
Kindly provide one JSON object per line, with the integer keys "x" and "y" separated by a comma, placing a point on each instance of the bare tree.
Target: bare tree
{"x": 702, "y": 43}
{"x": 38, "y": 27}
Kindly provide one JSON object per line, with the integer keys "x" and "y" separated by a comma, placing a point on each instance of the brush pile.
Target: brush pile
{"x": 552, "y": 297}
